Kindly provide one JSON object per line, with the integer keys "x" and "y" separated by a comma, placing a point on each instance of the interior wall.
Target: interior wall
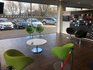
{"x": 66, "y": 24}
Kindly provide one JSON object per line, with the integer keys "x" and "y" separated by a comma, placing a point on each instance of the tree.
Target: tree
{"x": 21, "y": 8}
{"x": 27, "y": 8}
{"x": 43, "y": 9}
{"x": 11, "y": 7}
{"x": 52, "y": 12}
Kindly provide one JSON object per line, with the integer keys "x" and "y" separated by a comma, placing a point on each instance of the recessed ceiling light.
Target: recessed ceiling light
{"x": 60, "y": 0}
{"x": 78, "y": 2}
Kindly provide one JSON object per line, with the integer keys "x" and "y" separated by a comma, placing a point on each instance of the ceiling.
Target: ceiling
{"x": 70, "y": 3}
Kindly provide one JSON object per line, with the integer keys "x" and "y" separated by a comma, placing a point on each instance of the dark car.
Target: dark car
{"x": 20, "y": 23}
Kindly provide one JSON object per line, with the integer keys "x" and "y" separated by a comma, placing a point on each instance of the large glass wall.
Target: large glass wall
{"x": 20, "y": 12}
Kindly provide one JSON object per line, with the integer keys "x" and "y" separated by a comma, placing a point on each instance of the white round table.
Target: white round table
{"x": 36, "y": 42}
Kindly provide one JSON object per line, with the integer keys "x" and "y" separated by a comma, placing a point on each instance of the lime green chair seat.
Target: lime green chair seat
{"x": 17, "y": 59}
{"x": 29, "y": 30}
{"x": 62, "y": 52}
{"x": 39, "y": 30}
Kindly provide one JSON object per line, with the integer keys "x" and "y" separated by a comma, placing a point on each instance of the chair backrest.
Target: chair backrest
{"x": 17, "y": 59}
{"x": 81, "y": 34}
{"x": 29, "y": 29}
{"x": 39, "y": 29}
{"x": 70, "y": 30}
{"x": 13, "y": 52}
{"x": 61, "y": 52}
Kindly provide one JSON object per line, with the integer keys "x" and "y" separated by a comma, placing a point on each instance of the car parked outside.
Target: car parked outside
{"x": 5, "y": 24}
{"x": 49, "y": 20}
{"x": 20, "y": 23}
{"x": 35, "y": 22}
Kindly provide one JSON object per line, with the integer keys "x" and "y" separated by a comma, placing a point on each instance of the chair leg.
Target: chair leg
{"x": 70, "y": 37}
{"x": 71, "y": 58}
{"x": 39, "y": 35}
{"x": 30, "y": 36}
{"x": 79, "y": 42}
{"x": 62, "y": 63}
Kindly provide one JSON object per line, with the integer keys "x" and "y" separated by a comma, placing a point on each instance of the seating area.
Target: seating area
{"x": 69, "y": 47}
{"x": 30, "y": 30}
{"x": 82, "y": 54}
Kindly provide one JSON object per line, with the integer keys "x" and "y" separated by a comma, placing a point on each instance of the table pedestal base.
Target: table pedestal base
{"x": 36, "y": 50}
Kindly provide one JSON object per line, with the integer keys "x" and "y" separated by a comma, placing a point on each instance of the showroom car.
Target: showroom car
{"x": 35, "y": 22}
{"x": 20, "y": 23}
{"x": 49, "y": 20}
{"x": 5, "y": 24}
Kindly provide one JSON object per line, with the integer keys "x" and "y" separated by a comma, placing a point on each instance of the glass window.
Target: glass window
{"x": 6, "y": 20}
{"x": 20, "y": 20}
{"x": 1, "y": 20}
{"x": 35, "y": 20}
{"x": 29, "y": 20}
{"x": 51, "y": 19}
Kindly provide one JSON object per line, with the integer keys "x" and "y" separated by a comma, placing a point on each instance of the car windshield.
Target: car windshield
{"x": 54, "y": 18}
{"x": 35, "y": 20}
{"x": 20, "y": 20}
{"x": 5, "y": 20}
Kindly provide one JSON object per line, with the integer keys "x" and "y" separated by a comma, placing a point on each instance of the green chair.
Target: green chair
{"x": 80, "y": 34}
{"x": 63, "y": 52}
{"x": 29, "y": 30}
{"x": 39, "y": 30}
{"x": 17, "y": 59}
{"x": 70, "y": 31}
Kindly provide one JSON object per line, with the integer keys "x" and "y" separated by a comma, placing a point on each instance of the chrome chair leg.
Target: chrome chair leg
{"x": 79, "y": 42}
{"x": 70, "y": 37}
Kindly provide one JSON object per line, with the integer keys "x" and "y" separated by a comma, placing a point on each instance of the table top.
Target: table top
{"x": 36, "y": 42}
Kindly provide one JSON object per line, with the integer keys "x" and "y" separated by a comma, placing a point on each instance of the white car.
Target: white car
{"x": 5, "y": 23}
{"x": 49, "y": 20}
{"x": 35, "y": 22}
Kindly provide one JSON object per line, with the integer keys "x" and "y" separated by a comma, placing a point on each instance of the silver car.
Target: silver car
{"x": 35, "y": 22}
{"x": 49, "y": 20}
{"x": 20, "y": 23}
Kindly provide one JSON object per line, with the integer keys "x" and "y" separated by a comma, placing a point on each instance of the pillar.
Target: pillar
{"x": 60, "y": 8}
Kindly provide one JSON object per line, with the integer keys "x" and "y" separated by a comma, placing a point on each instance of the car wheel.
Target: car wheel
{"x": 44, "y": 23}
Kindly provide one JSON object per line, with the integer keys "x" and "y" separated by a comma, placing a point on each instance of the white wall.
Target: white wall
{"x": 66, "y": 24}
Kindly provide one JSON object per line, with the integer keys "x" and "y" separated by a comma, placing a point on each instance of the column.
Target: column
{"x": 61, "y": 7}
